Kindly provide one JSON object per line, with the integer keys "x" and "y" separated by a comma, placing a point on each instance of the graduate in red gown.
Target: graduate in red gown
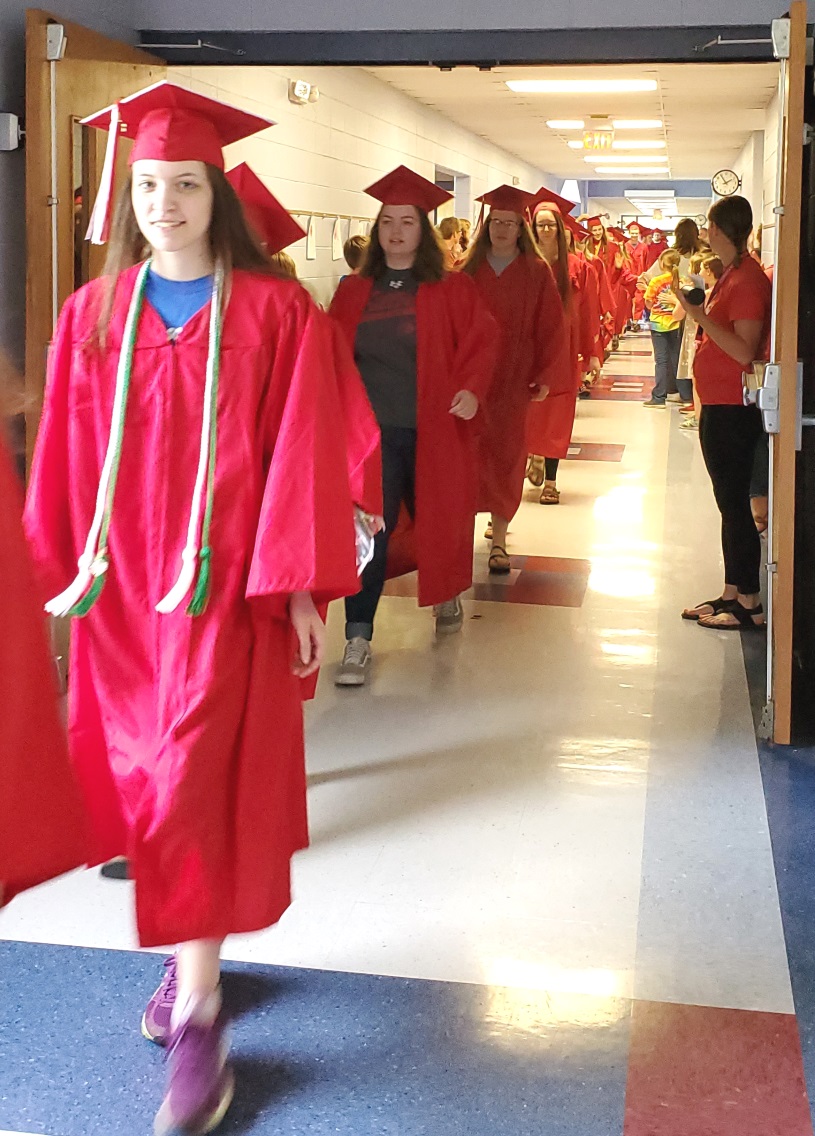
{"x": 190, "y": 500}
{"x": 638, "y": 251}
{"x": 425, "y": 345}
{"x": 520, "y": 291}
{"x": 42, "y": 826}
{"x": 550, "y": 423}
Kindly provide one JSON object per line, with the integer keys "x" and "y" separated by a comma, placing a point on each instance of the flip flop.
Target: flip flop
{"x": 745, "y": 618}
{"x": 718, "y": 606}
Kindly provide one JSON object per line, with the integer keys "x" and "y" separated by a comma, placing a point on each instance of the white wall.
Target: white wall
{"x": 770, "y": 182}
{"x": 321, "y": 156}
{"x": 750, "y": 167}
{"x": 429, "y": 15}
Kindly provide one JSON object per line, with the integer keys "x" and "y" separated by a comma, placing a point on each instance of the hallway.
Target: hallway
{"x": 541, "y": 895}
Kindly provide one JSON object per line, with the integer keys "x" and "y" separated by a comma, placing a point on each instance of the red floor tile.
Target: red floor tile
{"x": 698, "y": 1071}
{"x": 544, "y": 581}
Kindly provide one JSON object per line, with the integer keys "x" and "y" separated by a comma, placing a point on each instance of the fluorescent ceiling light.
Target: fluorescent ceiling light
{"x": 627, "y": 159}
{"x": 637, "y": 124}
{"x": 640, "y": 194}
{"x": 565, "y": 123}
{"x": 644, "y": 171}
{"x": 639, "y": 144}
{"x": 575, "y": 145}
{"x": 581, "y": 86}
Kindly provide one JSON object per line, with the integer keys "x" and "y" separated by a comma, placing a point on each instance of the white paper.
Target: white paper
{"x": 311, "y": 239}
{"x": 356, "y": 227}
{"x": 336, "y": 241}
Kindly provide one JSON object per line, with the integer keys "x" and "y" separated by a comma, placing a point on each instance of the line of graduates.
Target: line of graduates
{"x": 217, "y": 460}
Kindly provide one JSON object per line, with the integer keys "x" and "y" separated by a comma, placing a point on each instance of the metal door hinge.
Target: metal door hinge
{"x": 772, "y": 567}
{"x": 766, "y": 727}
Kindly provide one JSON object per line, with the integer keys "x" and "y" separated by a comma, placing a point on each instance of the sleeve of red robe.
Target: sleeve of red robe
{"x": 305, "y": 538}
{"x": 552, "y": 338}
{"x": 47, "y": 515}
{"x": 42, "y": 829}
{"x": 587, "y": 335}
{"x": 477, "y": 337}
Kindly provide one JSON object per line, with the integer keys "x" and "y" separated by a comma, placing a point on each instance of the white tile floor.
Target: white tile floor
{"x": 565, "y": 799}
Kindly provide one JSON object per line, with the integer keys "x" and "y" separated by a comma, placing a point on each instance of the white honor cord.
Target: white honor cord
{"x": 189, "y": 557}
{"x": 63, "y": 603}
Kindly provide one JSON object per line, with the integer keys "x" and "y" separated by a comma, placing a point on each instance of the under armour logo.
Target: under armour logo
{"x": 396, "y": 284}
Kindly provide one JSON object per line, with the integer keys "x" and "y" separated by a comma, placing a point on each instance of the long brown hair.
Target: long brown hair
{"x": 686, "y": 237}
{"x": 231, "y": 242}
{"x": 561, "y": 266}
{"x": 734, "y": 216}
{"x": 428, "y": 267}
{"x": 479, "y": 249}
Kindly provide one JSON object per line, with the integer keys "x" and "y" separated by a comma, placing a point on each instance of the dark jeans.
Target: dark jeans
{"x": 667, "y": 345}
{"x": 398, "y": 488}
{"x": 729, "y": 436}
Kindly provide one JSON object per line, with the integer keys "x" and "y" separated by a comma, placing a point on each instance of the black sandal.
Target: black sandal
{"x": 719, "y": 605}
{"x": 745, "y": 618}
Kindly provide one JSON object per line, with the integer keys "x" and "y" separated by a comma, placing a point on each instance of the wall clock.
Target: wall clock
{"x": 726, "y": 183}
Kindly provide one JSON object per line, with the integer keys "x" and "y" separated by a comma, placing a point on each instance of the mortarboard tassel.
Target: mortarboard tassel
{"x": 101, "y": 215}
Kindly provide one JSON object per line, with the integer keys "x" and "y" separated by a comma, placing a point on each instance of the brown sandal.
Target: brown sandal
{"x": 499, "y": 562}
{"x": 550, "y": 495}
{"x": 535, "y": 472}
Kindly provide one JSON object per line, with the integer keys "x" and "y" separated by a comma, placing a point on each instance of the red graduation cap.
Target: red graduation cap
{"x": 271, "y": 221}
{"x": 546, "y": 197}
{"x": 575, "y": 227}
{"x": 617, "y": 234}
{"x": 405, "y": 187}
{"x": 590, "y": 222}
{"x": 170, "y": 124}
{"x": 508, "y": 197}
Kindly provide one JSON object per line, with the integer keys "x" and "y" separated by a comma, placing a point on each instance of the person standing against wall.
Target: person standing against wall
{"x": 425, "y": 347}
{"x": 550, "y": 423}
{"x": 518, "y": 287}
{"x": 198, "y": 569}
{"x": 735, "y": 323}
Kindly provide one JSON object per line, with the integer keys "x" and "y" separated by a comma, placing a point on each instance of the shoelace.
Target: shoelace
{"x": 169, "y": 988}
{"x": 355, "y": 654}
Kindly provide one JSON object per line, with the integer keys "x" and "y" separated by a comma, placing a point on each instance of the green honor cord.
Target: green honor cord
{"x": 84, "y": 591}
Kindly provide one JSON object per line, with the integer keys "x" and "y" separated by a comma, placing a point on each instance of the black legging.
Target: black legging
{"x": 398, "y": 488}
{"x": 550, "y": 467}
{"x": 729, "y": 435}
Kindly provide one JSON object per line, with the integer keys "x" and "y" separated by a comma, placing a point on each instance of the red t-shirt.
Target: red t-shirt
{"x": 743, "y": 293}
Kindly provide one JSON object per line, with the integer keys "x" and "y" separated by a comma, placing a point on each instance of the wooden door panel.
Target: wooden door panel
{"x": 94, "y": 72}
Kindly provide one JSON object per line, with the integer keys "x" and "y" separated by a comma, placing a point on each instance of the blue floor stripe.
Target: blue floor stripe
{"x": 316, "y": 1052}
{"x": 788, "y": 774}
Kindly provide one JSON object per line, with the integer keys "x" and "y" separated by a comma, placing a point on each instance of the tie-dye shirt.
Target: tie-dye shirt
{"x": 661, "y": 303}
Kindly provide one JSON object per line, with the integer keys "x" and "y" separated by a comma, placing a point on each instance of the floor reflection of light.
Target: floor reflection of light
{"x": 537, "y": 998}
{"x": 622, "y": 505}
{"x": 629, "y": 652}
{"x": 621, "y": 580}
{"x": 613, "y": 760}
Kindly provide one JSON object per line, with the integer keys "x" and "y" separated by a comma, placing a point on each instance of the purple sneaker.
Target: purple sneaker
{"x": 201, "y": 1083}
{"x": 155, "y": 1023}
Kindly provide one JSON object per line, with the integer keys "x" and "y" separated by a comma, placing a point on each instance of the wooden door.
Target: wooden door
{"x": 63, "y": 162}
{"x": 785, "y": 353}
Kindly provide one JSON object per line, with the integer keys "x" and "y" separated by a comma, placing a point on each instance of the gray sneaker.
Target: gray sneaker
{"x": 355, "y": 662}
{"x": 449, "y": 616}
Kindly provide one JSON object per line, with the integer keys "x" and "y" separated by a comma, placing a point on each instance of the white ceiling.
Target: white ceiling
{"x": 709, "y": 110}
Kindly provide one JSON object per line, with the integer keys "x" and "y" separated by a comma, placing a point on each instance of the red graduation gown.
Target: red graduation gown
{"x": 455, "y": 350}
{"x": 550, "y": 423}
{"x": 42, "y": 827}
{"x": 534, "y": 347}
{"x": 187, "y": 732}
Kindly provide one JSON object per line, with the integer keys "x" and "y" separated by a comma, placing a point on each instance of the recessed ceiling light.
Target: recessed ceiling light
{"x": 637, "y": 124}
{"x": 627, "y": 159}
{"x": 635, "y": 171}
{"x": 639, "y": 144}
{"x": 565, "y": 123}
{"x": 575, "y": 145}
{"x": 581, "y": 86}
